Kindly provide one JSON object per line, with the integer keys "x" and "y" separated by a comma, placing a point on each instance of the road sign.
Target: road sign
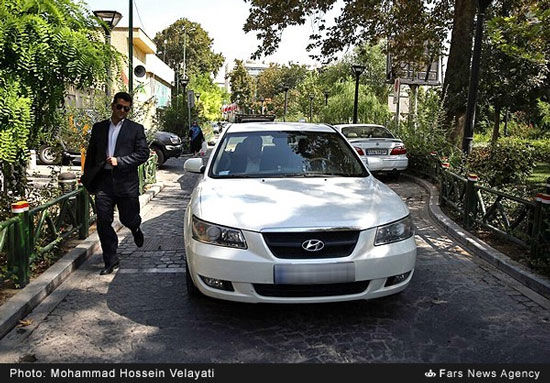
{"x": 396, "y": 89}
{"x": 430, "y": 76}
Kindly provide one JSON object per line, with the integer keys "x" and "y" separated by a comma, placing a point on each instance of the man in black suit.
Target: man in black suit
{"x": 116, "y": 148}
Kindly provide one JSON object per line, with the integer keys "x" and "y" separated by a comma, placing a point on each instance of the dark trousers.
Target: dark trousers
{"x": 128, "y": 213}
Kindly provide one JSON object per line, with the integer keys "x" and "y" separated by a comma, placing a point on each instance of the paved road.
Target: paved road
{"x": 457, "y": 309}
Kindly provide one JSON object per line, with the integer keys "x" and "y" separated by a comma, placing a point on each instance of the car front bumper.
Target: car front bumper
{"x": 256, "y": 266}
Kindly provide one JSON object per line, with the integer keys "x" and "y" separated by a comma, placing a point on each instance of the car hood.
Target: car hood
{"x": 274, "y": 203}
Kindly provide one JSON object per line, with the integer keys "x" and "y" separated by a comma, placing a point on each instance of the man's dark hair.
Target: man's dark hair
{"x": 124, "y": 96}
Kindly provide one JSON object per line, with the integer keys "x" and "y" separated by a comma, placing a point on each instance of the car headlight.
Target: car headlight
{"x": 394, "y": 232}
{"x": 217, "y": 235}
{"x": 174, "y": 139}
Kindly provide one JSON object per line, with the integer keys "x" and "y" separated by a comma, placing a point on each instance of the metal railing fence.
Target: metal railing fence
{"x": 32, "y": 232}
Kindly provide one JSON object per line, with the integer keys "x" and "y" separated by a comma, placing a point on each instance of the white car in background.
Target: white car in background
{"x": 288, "y": 213}
{"x": 377, "y": 146}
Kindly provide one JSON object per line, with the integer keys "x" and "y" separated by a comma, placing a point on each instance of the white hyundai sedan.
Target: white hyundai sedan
{"x": 288, "y": 213}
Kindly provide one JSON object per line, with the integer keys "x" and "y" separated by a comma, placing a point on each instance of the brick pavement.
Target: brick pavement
{"x": 458, "y": 308}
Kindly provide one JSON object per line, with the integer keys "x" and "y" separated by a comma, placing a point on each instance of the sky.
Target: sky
{"x": 222, "y": 19}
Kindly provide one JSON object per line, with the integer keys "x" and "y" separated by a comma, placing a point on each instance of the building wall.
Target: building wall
{"x": 153, "y": 89}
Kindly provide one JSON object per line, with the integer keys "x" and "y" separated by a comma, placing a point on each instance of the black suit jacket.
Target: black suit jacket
{"x": 131, "y": 150}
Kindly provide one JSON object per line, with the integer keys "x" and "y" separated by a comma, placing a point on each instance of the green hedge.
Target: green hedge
{"x": 508, "y": 161}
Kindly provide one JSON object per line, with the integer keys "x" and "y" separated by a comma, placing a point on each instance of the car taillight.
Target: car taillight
{"x": 399, "y": 150}
{"x": 359, "y": 151}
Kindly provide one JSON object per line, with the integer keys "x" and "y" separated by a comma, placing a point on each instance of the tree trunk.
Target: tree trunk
{"x": 457, "y": 73}
{"x": 497, "y": 124}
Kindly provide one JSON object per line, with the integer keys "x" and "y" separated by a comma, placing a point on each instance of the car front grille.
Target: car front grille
{"x": 337, "y": 244}
{"x": 306, "y": 291}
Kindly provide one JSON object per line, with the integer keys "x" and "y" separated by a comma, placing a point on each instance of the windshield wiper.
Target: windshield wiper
{"x": 237, "y": 176}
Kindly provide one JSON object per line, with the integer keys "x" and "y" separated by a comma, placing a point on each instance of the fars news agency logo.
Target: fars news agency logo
{"x": 430, "y": 374}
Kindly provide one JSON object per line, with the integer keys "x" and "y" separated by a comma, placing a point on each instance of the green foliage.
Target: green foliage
{"x": 508, "y": 161}
{"x": 522, "y": 30}
{"x": 242, "y": 86}
{"x": 200, "y": 59}
{"x": 273, "y": 79}
{"x": 426, "y": 135}
{"x": 417, "y": 31}
{"x": 308, "y": 88}
{"x": 44, "y": 46}
{"x": 370, "y": 109}
{"x": 174, "y": 118}
{"x": 544, "y": 113}
{"x": 15, "y": 118}
{"x": 540, "y": 174}
{"x": 212, "y": 97}
{"x": 514, "y": 63}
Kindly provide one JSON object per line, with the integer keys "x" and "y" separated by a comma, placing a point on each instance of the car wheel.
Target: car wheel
{"x": 192, "y": 290}
{"x": 47, "y": 155}
{"x": 160, "y": 156}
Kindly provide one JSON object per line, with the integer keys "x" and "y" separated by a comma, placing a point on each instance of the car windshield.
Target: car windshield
{"x": 285, "y": 154}
{"x": 366, "y": 132}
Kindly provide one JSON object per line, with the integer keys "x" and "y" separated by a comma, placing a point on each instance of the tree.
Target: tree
{"x": 457, "y": 74}
{"x": 340, "y": 106}
{"x": 242, "y": 86}
{"x": 44, "y": 47}
{"x": 415, "y": 33}
{"x": 212, "y": 97}
{"x": 199, "y": 57}
{"x": 270, "y": 81}
{"x": 515, "y": 58}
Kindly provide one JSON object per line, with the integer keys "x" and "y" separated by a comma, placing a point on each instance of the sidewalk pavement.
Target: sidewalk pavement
{"x": 22, "y": 303}
{"x": 535, "y": 282}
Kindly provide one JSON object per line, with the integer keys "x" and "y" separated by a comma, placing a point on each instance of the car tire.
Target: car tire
{"x": 47, "y": 155}
{"x": 160, "y": 156}
{"x": 192, "y": 290}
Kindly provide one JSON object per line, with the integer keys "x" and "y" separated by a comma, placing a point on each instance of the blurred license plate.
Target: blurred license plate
{"x": 296, "y": 274}
{"x": 377, "y": 151}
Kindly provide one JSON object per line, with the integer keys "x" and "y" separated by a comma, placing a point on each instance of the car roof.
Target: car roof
{"x": 340, "y": 126}
{"x": 278, "y": 126}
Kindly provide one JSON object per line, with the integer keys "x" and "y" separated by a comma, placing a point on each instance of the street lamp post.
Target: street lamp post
{"x": 286, "y": 102}
{"x": 131, "y": 47}
{"x": 184, "y": 81}
{"x": 197, "y": 96}
{"x": 474, "y": 78}
{"x": 357, "y": 70}
{"x": 326, "y": 97}
{"x": 110, "y": 20}
{"x": 310, "y": 108}
{"x": 261, "y": 99}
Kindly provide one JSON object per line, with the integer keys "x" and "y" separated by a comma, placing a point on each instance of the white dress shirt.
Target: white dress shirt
{"x": 112, "y": 136}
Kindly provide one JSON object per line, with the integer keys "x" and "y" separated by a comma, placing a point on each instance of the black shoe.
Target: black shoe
{"x": 138, "y": 237}
{"x": 109, "y": 269}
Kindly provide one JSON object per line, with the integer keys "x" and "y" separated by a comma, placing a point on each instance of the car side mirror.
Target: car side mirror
{"x": 194, "y": 165}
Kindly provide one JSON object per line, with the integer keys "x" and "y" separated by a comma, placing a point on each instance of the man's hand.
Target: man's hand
{"x": 112, "y": 161}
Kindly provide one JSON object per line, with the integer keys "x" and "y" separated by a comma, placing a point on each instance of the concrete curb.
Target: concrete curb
{"x": 501, "y": 261}
{"x": 22, "y": 303}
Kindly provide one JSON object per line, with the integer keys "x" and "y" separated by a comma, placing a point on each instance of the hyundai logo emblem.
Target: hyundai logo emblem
{"x": 313, "y": 245}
